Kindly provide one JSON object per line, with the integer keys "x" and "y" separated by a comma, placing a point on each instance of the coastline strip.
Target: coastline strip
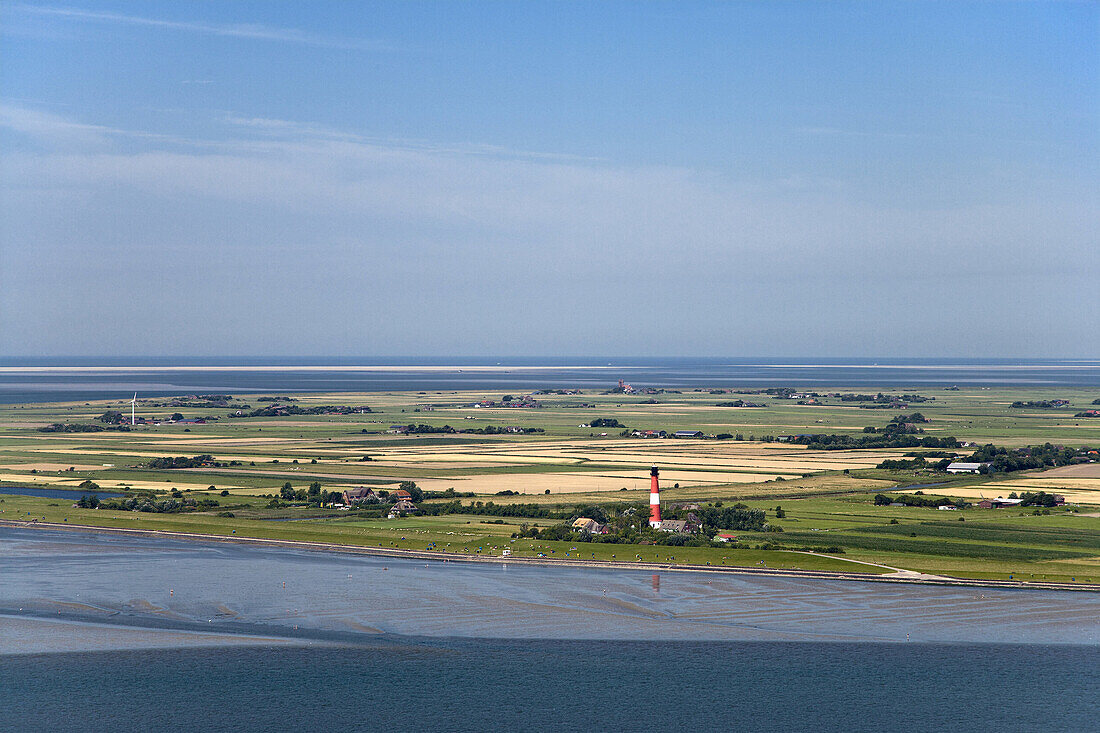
{"x": 903, "y": 577}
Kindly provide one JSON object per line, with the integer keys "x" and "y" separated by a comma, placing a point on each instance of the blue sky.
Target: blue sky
{"x": 742, "y": 179}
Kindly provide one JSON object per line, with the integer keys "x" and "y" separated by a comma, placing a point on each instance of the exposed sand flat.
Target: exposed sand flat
{"x": 23, "y": 635}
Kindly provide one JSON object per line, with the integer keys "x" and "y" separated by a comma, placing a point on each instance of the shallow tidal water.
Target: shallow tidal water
{"x": 101, "y": 631}
{"x": 25, "y": 380}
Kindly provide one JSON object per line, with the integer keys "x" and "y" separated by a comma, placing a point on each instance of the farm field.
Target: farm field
{"x": 560, "y": 464}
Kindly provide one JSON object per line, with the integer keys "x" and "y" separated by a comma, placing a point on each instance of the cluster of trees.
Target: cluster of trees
{"x": 999, "y": 459}
{"x": 915, "y": 417}
{"x": 1088, "y": 413}
{"x": 738, "y": 517}
{"x": 220, "y": 401}
{"x": 877, "y": 440}
{"x": 429, "y": 429}
{"x": 315, "y": 496}
{"x": 421, "y": 428}
{"x": 1034, "y": 404}
{"x": 174, "y": 505}
{"x": 915, "y": 464}
{"x": 628, "y": 523}
{"x": 740, "y": 403}
{"x": 491, "y": 509}
{"x": 885, "y": 399}
{"x": 198, "y": 400}
{"x": 917, "y": 500}
{"x": 284, "y": 410}
{"x": 493, "y": 430}
{"x": 276, "y": 399}
{"x": 447, "y": 494}
{"x": 895, "y": 429}
{"x": 75, "y": 427}
{"x": 606, "y": 422}
{"x": 1034, "y": 456}
{"x": 644, "y": 535}
{"x": 1037, "y": 498}
{"x": 204, "y": 461}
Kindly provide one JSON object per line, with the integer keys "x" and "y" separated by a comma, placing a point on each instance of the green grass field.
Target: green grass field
{"x": 826, "y": 495}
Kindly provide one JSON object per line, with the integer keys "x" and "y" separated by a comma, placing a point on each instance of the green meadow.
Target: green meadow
{"x": 561, "y": 464}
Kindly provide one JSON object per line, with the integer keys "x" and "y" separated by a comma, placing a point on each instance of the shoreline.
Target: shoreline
{"x": 905, "y": 577}
{"x": 310, "y": 368}
{"x": 1069, "y": 364}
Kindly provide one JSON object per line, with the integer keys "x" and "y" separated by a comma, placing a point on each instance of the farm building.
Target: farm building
{"x": 402, "y": 507}
{"x": 591, "y": 526}
{"x": 678, "y": 526}
{"x": 961, "y": 467}
{"x": 358, "y": 494}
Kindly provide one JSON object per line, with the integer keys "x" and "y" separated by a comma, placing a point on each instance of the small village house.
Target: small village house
{"x": 358, "y": 495}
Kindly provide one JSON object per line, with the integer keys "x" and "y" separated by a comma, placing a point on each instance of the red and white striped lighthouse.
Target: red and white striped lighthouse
{"x": 654, "y": 499}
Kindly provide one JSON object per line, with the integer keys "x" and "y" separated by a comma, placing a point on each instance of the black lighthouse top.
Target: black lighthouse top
{"x": 653, "y": 471}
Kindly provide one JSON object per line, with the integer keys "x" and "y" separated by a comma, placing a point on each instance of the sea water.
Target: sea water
{"x": 70, "y": 379}
{"x": 195, "y": 635}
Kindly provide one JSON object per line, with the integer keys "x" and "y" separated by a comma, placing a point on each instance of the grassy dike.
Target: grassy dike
{"x": 1060, "y": 548}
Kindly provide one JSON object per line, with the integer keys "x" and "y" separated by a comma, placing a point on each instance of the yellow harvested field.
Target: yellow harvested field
{"x": 1047, "y": 484}
{"x": 147, "y": 454}
{"x": 1081, "y": 490}
{"x": 50, "y": 467}
{"x": 666, "y": 454}
{"x": 218, "y": 440}
{"x": 486, "y": 458}
{"x": 569, "y": 483}
{"x": 1078, "y": 496}
{"x": 796, "y": 488}
{"x": 431, "y": 465}
{"x": 108, "y": 485}
{"x": 1081, "y": 470}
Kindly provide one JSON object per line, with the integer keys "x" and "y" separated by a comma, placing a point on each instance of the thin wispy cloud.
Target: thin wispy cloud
{"x": 307, "y": 131}
{"x": 229, "y": 30}
{"x": 59, "y": 131}
{"x": 301, "y": 198}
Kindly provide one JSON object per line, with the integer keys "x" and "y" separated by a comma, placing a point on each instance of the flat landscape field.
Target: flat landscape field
{"x": 548, "y": 456}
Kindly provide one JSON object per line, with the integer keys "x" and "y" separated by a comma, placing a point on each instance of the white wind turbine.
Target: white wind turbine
{"x": 133, "y": 410}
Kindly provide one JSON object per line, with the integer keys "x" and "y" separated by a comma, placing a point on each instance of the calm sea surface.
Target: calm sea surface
{"x": 101, "y": 631}
{"x": 42, "y": 380}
